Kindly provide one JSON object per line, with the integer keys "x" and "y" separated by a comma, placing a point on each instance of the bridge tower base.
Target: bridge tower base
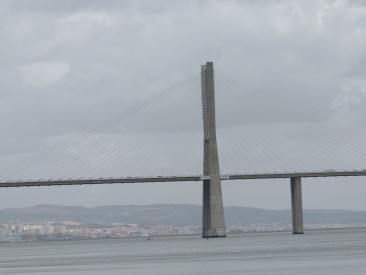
{"x": 213, "y": 220}
{"x": 296, "y": 206}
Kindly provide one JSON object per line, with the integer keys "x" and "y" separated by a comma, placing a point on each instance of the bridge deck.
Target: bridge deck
{"x": 60, "y": 182}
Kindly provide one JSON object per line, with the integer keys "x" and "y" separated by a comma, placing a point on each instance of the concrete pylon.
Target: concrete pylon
{"x": 213, "y": 220}
{"x": 296, "y": 206}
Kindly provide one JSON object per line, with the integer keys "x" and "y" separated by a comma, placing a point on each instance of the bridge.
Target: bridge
{"x": 213, "y": 223}
{"x": 92, "y": 181}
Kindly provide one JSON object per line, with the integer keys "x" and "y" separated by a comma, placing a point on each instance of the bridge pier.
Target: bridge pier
{"x": 213, "y": 220}
{"x": 296, "y": 206}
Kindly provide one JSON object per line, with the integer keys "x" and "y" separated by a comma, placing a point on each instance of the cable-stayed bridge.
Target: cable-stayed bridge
{"x": 161, "y": 140}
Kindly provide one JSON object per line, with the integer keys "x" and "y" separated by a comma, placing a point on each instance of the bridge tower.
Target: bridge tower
{"x": 213, "y": 220}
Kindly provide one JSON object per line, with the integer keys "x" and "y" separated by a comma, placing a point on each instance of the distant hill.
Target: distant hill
{"x": 171, "y": 214}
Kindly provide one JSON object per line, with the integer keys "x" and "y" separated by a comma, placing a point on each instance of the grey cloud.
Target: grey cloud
{"x": 120, "y": 52}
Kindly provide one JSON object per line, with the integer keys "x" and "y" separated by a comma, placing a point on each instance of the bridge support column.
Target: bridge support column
{"x": 213, "y": 221}
{"x": 296, "y": 206}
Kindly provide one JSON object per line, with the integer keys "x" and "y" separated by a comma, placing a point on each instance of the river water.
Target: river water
{"x": 315, "y": 252}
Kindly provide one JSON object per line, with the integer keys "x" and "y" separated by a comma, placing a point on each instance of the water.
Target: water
{"x": 315, "y": 252}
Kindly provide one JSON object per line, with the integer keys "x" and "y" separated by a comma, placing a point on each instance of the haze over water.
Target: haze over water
{"x": 315, "y": 252}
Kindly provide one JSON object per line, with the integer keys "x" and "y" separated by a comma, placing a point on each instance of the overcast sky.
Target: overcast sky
{"x": 68, "y": 65}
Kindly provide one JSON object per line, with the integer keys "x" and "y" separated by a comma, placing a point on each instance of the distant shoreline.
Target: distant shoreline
{"x": 153, "y": 237}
